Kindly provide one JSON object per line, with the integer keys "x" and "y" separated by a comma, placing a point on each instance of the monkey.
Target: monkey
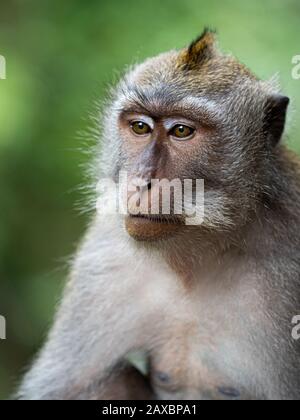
{"x": 210, "y": 305}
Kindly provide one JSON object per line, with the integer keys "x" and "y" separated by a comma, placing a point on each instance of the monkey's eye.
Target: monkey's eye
{"x": 182, "y": 132}
{"x": 140, "y": 128}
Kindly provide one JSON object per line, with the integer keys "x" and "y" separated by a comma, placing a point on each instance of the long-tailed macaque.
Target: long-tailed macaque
{"x": 209, "y": 305}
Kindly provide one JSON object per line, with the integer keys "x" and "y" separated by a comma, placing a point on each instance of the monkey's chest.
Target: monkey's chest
{"x": 209, "y": 340}
{"x": 191, "y": 366}
{"x": 181, "y": 370}
{"x": 208, "y": 354}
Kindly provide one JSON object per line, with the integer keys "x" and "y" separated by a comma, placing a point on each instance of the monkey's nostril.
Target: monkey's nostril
{"x": 229, "y": 392}
{"x": 149, "y": 186}
{"x": 163, "y": 377}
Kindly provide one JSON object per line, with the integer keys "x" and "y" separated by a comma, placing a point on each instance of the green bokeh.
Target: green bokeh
{"x": 60, "y": 56}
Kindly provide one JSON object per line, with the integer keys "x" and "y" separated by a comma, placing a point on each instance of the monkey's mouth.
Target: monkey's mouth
{"x": 151, "y": 227}
{"x": 175, "y": 220}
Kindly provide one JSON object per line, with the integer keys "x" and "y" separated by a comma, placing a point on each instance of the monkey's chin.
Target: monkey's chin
{"x": 149, "y": 230}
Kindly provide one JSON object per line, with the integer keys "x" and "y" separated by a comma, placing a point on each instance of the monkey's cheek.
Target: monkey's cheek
{"x": 142, "y": 229}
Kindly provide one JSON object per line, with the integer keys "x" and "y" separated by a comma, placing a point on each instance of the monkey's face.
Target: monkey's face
{"x": 192, "y": 115}
{"x": 158, "y": 150}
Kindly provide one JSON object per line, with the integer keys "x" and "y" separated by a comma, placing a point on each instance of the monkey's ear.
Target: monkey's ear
{"x": 275, "y": 117}
{"x": 201, "y": 49}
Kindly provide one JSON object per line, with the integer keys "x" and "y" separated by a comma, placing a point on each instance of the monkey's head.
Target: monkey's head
{"x": 193, "y": 114}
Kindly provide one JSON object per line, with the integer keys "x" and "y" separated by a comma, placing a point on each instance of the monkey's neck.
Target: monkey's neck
{"x": 194, "y": 251}
{"x": 197, "y": 252}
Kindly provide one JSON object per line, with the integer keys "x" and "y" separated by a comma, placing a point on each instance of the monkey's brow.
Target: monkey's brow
{"x": 167, "y": 100}
{"x": 189, "y": 108}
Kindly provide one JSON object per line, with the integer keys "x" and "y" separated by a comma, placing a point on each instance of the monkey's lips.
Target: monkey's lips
{"x": 151, "y": 228}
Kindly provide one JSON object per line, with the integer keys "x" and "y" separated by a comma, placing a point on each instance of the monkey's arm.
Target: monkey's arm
{"x": 124, "y": 383}
{"x": 102, "y": 318}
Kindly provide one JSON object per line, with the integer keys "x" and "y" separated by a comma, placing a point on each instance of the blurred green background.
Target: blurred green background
{"x": 60, "y": 56}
